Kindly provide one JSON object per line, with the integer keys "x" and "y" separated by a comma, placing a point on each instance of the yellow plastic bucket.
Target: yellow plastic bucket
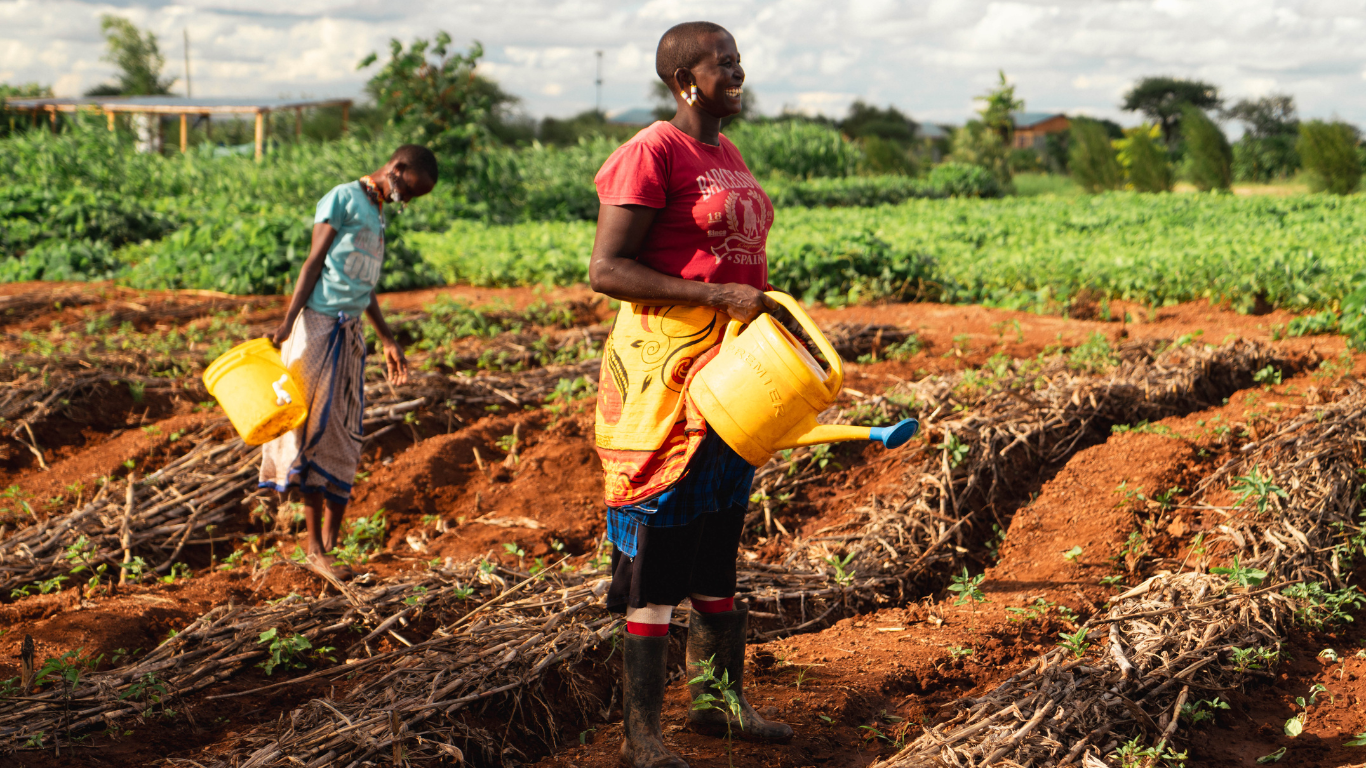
{"x": 262, "y": 400}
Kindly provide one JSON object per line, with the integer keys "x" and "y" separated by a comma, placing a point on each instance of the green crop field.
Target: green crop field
{"x": 81, "y": 206}
{"x": 1026, "y": 253}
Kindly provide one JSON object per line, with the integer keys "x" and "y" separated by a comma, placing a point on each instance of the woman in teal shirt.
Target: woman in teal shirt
{"x": 323, "y": 346}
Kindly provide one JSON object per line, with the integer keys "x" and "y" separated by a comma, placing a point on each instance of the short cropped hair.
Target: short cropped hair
{"x": 681, "y": 48}
{"x": 417, "y": 157}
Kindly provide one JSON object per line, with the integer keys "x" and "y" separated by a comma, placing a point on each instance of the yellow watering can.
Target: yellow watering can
{"x": 252, "y": 384}
{"x": 763, "y": 390}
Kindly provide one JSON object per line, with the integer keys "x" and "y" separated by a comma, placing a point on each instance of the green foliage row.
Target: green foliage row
{"x": 1020, "y": 253}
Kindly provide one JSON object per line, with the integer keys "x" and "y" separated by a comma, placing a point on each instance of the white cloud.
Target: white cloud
{"x": 928, "y": 57}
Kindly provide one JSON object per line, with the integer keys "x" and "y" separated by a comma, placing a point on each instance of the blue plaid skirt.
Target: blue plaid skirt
{"x": 716, "y": 478}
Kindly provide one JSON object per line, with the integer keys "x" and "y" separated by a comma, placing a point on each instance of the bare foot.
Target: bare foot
{"x": 320, "y": 565}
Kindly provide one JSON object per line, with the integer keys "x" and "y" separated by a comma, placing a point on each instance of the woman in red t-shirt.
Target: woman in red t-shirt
{"x": 681, "y": 239}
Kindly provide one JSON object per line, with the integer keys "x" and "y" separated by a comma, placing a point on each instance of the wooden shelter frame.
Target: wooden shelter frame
{"x": 205, "y": 108}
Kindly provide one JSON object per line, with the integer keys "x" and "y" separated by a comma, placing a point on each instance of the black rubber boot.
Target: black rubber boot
{"x": 646, "y": 676}
{"x": 723, "y": 635}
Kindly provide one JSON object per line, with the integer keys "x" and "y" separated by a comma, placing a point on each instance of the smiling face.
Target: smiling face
{"x": 719, "y": 77}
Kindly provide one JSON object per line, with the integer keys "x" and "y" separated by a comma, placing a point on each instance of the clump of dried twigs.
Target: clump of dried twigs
{"x": 1178, "y": 638}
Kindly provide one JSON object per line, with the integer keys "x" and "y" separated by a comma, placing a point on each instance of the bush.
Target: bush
{"x": 946, "y": 180}
{"x": 851, "y": 269}
{"x": 978, "y": 144}
{"x": 1209, "y": 158}
{"x": 795, "y": 148}
{"x": 1329, "y": 153}
{"x": 1145, "y": 160}
{"x": 960, "y": 180}
{"x": 1264, "y": 159}
{"x": 33, "y": 214}
{"x": 1091, "y": 158}
{"x": 886, "y": 157}
{"x": 67, "y": 260}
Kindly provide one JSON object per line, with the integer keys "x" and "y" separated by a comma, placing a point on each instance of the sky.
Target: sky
{"x": 926, "y": 58}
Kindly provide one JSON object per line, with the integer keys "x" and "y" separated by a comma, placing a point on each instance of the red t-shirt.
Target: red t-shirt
{"x": 714, "y": 217}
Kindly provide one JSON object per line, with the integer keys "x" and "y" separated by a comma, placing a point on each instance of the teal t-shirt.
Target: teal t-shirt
{"x": 355, "y": 260}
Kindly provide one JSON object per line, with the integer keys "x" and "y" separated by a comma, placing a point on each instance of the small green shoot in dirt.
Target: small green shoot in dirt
{"x": 955, "y": 449}
{"x": 828, "y": 720}
{"x": 1112, "y": 581}
{"x": 512, "y": 549}
{"x": 178, "y": 572}
{"x": 968, "y": 588}
{"x": 1295, "y": 725}
{"x": 51, "y": 585}
{"x": 1240, "y": 575}
{"x": 416, "y": 597}
{"x": 1329, "y": 654}
{"x": 1075, "y": 642}
{"x": 727, "y": 702}
{"x": 1317, "y": 607}
{"x": 1358, "y": 740}
{"x": 148, "y": 690}
{"x": 1257, "y": 487}
{"x": 1203, "y": 710}
{"x": 1274, "y": 757}
{"x": 287, "y": 651}
{"x": 1072, "y": 554}
{"x": 1134, "y": 755}
{"x": 958, "y": 652}
{"x": 1256, "y": 657}
{"x": 364, "y": 536}
{"x": 1269, "y": 375}
{"x": 844, "y": 576}
{"x": 802, "y": 675}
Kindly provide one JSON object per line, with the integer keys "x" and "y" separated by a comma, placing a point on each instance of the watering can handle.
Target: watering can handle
{"x": 835, "y": 381}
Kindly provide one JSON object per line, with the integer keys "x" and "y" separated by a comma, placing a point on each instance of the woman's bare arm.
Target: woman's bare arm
{"x": 323, "y": 235}
{"x": 614, "y": 270}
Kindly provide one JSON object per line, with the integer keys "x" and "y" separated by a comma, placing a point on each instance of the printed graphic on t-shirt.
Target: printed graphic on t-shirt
{"x": 747, "y": 220}
{"x": 367, "y": 260}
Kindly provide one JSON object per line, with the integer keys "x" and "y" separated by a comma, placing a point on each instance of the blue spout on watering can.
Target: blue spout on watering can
{"x": 896, "y": 435}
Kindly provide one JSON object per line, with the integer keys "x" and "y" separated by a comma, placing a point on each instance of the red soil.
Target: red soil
{"x": 889, "y": 671}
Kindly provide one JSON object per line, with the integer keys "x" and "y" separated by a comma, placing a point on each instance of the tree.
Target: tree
{"x": 1329, "y": 152}
{"x": 1209, "y": 158}
{"x": 1268, "y": 116}
{"x": 1267, "y": 149}
{"x": 865, "y": 120}
{"x": 1144, "y": 160}
{"x": 1162, "y": 99}
{"x": 1091, "y": 158}
{"x": 138, "y": 58}
{"x": 977, "y": 144}
{"x": 999, "y": 106}
{"x": 431, "y": 95}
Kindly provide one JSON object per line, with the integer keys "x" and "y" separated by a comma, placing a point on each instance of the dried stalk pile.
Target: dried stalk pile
{"x": 891, "y": 544}
{"x": 1040, "y": 416}
{"x": 1172, "y": 640}
{"x": 227, "y": 638}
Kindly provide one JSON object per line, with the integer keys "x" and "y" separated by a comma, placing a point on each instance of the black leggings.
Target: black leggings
{"x": 672, "y": 563}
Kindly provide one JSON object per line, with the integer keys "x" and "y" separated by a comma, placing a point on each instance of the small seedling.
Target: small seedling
{"x": 843, "y": 575}
{"x": 958, "y": 652}
{"x": 1134, "y": 755}
{"x": 1239, "y": 575}
{"x": 1257, "y": 487}
{"x": 955, "y": 449}
{"x": 968, "y": 588}
{"x": 1202, "y": 710}
{"x": 728, "y": 702}
{"x": 1072, "y": 554}
{"x": 1075, "y": 642}
{"x": 1358, "y": 740}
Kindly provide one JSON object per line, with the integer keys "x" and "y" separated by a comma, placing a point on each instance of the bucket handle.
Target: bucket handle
{"x": 835, "y": 381}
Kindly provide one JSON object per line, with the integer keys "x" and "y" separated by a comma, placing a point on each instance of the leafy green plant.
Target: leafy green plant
{"x": 1205, "y": 709}
{"x": 1072, "y": 554}
{"x": 1075, "y": 642}
{"x": 287, "y": 651}
{"x": 364, "y": 536}
{"x": 968, "y": 588}
{"x": 1132, "y": 754}
{"x": 844, "y": 576}
{"x": 719, "y": 693}
{"x": 1318, "y": 607}
{"x": 1329, "y": 154}
{"x": 1256, "y": 657}
{"x": 1257, "y": 487}
{"x": 1239, "y": 575}
{"x": 956, "y": 450}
